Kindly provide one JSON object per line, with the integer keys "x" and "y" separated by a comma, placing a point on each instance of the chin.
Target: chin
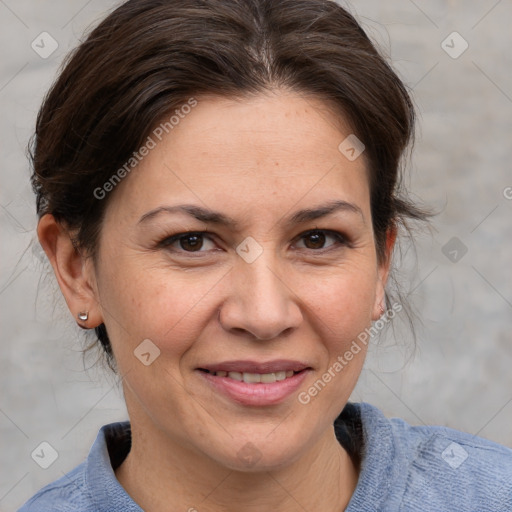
{"x": 258, "y": 454}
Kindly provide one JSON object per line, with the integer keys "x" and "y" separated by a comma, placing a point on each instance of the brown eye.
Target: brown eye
{"x": 188, "y": 242}
{"x": 191, "y": 242}
{"x": 316, "y": 239}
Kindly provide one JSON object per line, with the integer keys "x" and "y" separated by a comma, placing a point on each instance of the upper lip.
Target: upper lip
{"x": 246, "y": 366}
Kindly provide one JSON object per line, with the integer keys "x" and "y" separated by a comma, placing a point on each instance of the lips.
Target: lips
{"x": 254, "y": 383}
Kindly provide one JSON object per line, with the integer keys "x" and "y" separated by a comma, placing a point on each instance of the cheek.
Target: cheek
{"x": 343, "y": 300}
{"x": 341, "y": 308}
{"x": 140, "y": 302}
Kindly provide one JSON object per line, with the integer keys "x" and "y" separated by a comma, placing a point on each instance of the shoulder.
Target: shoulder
{"x": 91, "y": 486}
{"x": 449, "y": 466}
{"x": 408, "y": 467}
{"x": 65, "y": 494}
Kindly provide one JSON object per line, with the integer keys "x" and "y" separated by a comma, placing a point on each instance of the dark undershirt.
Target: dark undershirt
{"x": 349, "y": 432}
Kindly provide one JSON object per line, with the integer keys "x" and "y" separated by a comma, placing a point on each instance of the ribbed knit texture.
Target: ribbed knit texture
{"x": 402, "y": 468}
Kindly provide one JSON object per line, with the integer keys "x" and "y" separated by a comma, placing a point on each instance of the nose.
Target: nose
{"x": 261, "y": 301}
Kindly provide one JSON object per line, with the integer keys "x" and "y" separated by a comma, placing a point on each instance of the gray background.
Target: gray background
{"x": 459, "y": 375}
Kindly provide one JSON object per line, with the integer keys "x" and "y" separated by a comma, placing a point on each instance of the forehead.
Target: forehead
{"x": 258, "y": 149}
{"x": 271, "y": 125}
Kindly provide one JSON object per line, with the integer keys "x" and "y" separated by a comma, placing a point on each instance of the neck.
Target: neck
{"x": 158, "y": 471}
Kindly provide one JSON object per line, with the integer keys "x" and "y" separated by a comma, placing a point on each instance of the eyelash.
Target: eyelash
{"x": 341, "y": 241}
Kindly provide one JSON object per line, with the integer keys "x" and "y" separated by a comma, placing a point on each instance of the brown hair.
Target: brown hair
{"x": 148, "y": 57}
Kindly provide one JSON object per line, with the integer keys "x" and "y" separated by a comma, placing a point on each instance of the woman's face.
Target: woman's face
{"x": 274, "y": 289}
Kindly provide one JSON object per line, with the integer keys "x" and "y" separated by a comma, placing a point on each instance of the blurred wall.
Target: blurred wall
{"x": 456, "y": 58}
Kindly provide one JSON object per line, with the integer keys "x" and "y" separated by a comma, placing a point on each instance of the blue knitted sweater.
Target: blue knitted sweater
{"x": 402, "y": 468}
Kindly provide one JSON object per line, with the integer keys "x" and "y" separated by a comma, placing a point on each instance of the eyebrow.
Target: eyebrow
{"x": 210, "y": 216}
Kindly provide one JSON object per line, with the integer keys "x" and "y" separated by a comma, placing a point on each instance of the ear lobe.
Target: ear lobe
{"x": 383, "y": 273}
{"x": 71, "y": 270}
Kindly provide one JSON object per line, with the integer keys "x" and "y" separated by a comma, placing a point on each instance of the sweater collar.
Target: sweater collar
{"x": 359, "y": 425}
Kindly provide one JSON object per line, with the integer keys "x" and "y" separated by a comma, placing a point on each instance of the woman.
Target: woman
{"x": 219, "y": 196}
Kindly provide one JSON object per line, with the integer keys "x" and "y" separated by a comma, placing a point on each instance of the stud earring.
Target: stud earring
{"x": 381, "y": 310}
{"x": 83, "y": 316}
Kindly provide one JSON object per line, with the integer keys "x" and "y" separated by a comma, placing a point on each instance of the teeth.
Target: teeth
{"x": 253, "y": 378}
{"x": 268, "y": 378}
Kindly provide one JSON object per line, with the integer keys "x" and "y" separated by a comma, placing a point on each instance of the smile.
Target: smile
{"x": 255, "y": 384}
{"x": 254, "y": 378}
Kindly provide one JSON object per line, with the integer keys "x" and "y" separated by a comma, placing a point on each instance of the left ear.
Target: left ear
{"x": 75, "y": 273}
{"x": 383, "y": 272}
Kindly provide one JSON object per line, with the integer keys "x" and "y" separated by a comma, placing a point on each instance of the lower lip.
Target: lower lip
{"x": 258, "y": 394}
